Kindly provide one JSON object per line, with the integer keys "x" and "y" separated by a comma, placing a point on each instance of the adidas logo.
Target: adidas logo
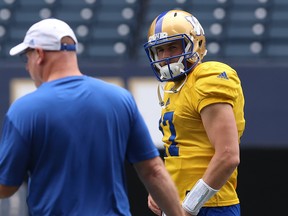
{"x": 223, "y": 75}
{"x": 31, "y": 42}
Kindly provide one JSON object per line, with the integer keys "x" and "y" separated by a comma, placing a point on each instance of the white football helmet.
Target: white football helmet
{"x": 171, "y": 26}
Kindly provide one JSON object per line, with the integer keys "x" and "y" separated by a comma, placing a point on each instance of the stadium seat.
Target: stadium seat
{"x": 277, "y": 50}
{"x": 238, "y": 50}
{"x": 101, "y": 51}
{"x": 278, "y": 31}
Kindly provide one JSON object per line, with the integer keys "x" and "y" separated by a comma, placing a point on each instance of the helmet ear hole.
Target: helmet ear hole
{"x": 200, "y": 43}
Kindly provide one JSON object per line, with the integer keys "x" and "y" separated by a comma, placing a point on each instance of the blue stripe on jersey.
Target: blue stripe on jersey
{"x": 158, "y": 25}
{"x": 173, "y": 150}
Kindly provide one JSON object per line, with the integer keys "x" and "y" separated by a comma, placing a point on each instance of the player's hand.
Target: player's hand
{"x": 153, "y": 206}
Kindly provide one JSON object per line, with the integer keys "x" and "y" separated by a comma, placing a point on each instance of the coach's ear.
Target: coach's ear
{"x": 40, "y": 55}
{"x": 7, "y": 191}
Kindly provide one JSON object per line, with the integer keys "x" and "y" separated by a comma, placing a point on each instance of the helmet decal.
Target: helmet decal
{"x": 196, "y": 25}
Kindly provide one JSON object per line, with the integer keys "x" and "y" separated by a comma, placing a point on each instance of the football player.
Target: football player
{"x": 202, "y": 117}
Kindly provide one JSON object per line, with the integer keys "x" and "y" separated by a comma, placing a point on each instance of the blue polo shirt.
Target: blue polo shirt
{"x": 71, "y": 137}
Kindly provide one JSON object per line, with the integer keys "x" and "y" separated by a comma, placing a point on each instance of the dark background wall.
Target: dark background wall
{"x": 264, "y": 149}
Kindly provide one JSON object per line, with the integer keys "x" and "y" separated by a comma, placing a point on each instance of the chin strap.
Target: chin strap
{"x": 172, "y": 91}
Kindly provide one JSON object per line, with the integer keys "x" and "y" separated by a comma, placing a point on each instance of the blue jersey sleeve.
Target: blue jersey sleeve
{"x": 13, "y": 155}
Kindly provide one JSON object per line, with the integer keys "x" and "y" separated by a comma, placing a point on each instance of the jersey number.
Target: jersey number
{"x": 167, "y": 121}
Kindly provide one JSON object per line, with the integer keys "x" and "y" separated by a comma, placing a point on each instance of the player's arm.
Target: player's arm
{"x": 220, "y": 126}
{"x": 159, "y": 184}
{"x": 7, "y": 191}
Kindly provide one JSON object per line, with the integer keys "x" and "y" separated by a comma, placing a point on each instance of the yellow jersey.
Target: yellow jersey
{"x": 187, "y": 147}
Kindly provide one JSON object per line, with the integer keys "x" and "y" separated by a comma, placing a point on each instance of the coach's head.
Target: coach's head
{"x": 49, "y": 49}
